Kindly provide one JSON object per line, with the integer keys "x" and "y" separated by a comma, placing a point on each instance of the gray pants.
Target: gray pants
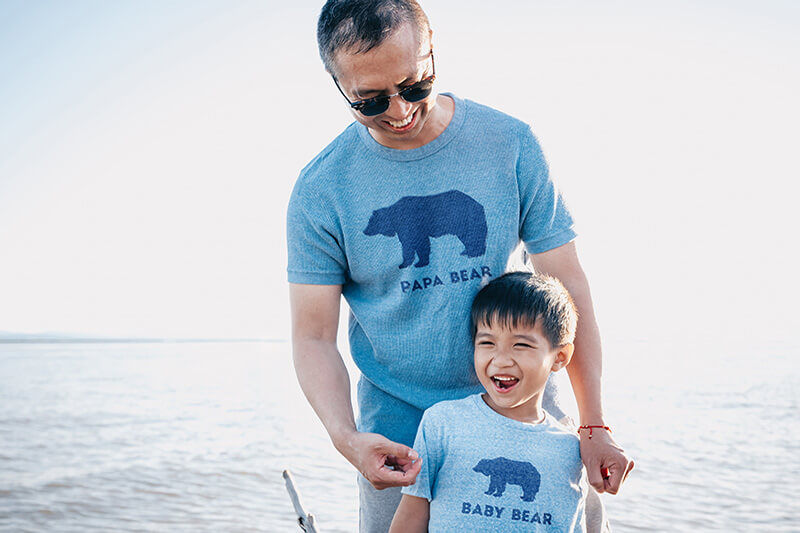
{"x": 377, "y": 508}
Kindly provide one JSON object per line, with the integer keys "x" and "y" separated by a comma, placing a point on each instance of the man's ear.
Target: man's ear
{"x": 563, "y": 357}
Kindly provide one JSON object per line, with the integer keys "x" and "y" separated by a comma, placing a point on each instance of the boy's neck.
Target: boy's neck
{"x": 530, "y": 412}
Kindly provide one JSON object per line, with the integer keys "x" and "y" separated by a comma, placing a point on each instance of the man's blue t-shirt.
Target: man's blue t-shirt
{"x": 482, "y": 471}
{"x": 411, "y": 235}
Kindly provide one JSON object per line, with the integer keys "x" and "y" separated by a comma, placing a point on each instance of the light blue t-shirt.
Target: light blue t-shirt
{"x": 482, "y": 471}
{"x": 410, "y": 235}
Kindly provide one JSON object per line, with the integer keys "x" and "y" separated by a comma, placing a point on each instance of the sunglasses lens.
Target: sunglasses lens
{"x": 417, "y": 92}
{"x": 374, "y": 106}
{"x": 379, "y": 104}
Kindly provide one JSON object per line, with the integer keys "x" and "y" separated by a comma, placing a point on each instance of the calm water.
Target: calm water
{"x": 193, "y": 437}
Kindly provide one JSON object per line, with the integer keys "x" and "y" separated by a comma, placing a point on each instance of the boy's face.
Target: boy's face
{"x": 513, "y": 365}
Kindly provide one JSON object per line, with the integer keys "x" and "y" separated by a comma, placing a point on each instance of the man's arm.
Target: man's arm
{"x": 600, "y": 452}
{"x": 412, "y": 515}
{"x": 326, "y": 384}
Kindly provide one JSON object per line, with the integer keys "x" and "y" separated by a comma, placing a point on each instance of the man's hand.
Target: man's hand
{"x": 607, "y": 466}
{"x": 384, "y": 463}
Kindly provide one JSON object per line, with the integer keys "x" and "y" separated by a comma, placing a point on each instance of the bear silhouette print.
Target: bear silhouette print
{"x": 415, "y": 219}
{"x": 502, "y": 471}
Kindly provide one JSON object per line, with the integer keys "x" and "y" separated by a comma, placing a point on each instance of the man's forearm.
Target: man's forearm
{"x": 326, "y": 384}
{"x": 586, "y": 365}
{"x": 585, "y": 369}
{"x": 606, "y": 463}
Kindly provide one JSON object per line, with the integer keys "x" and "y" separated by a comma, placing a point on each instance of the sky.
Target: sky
{"x": 148, "y": 150}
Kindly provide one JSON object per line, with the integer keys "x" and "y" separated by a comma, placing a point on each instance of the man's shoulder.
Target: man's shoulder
{"x": 495, "y": 118}
{"x": 336, "y": 155}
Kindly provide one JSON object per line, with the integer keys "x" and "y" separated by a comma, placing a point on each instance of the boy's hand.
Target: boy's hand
{"x": 607, "y": 466}
{"x": 382, "y": 462}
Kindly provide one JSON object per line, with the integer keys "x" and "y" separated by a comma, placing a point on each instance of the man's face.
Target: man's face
{"x": 401, "y": 60}
{"x": 513, "y": 364}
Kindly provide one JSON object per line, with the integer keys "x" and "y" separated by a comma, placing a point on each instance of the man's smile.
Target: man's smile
{"x": 406, "y": 124}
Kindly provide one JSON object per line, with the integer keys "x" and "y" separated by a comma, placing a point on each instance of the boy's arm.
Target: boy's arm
{"x": 411, "y": 516}
{"x": 600, "y": 452}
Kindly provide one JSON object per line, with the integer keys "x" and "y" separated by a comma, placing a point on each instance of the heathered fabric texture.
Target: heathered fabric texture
{"x": 411, "y": 235}
{"x": 482, "y": 471}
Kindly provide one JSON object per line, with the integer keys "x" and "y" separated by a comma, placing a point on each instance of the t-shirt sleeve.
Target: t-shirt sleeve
{"x": 314, "y": 243}
{"x": 545, "y": 221}
{"x": 429, "y": 447}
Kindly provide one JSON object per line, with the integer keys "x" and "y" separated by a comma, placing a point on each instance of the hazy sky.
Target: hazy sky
{"x": 148, "y": 149}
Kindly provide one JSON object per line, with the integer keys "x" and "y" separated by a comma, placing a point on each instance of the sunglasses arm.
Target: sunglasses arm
{"x": 352, "y": 104}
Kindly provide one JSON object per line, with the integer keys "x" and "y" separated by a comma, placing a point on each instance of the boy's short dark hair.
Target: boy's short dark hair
{"x": 361, "y": 25}
{"x": 521, "y": 299}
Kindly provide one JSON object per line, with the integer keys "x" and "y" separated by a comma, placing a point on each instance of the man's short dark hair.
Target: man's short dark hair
{"x": 521, "y": 299}
{"x": 360, "y": 25}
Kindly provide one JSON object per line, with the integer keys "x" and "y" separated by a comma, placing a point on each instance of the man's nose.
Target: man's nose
{"x": 398, "y": 107}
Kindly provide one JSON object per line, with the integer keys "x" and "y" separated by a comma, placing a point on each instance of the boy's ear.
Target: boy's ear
{"x": 563, "y": 357}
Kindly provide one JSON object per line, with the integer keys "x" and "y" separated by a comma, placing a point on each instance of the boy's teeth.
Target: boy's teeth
{"x": 402, "y": 123}
{"x": 505, "y": 382}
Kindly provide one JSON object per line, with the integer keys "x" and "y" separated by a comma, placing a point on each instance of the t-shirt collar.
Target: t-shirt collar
{"x": 425, "y": 150}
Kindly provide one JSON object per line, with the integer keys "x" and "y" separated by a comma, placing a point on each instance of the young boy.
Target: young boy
{"x": 497, "y": 461}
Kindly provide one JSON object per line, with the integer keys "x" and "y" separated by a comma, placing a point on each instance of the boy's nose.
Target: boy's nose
{"x": 501, "y": 358}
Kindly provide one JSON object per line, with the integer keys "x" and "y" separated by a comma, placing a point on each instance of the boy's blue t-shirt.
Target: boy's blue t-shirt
{"x": 410, "y": 235}
{"x": 482, "y": 471}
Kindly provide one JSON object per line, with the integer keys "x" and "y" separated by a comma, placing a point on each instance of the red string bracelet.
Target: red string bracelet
{"x": 590, "y": 428}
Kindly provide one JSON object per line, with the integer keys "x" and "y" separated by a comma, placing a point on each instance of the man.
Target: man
{"x": 405, "y": 214}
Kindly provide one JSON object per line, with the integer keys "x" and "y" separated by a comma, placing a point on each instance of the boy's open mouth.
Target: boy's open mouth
{"x": 504, "y": 383}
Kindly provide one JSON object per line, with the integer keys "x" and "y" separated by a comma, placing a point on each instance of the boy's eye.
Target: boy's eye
{"x": 485, "y": 343}
{"x": 523, "y": 345}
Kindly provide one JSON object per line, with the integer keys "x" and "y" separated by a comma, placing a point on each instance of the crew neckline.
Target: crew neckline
{"x": 498, "y": 419}
{"x": 425, "y": 150}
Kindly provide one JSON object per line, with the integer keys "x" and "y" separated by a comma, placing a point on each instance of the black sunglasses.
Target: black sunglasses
{"x": 369, "y": 107}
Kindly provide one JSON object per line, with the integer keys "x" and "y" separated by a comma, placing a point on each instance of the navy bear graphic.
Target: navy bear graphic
{"x": 415, "y": 219}
{"x": 502, "y": 471}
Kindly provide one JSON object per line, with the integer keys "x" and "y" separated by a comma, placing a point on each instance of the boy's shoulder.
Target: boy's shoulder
{"x": 448, "y": 409}
{"x": 449, "y": 406}
{"x": 565, "y": 436}
{"x": 472, "y": 416}
{"x": 473, "y": 405}
{"x": 559, "y": 427}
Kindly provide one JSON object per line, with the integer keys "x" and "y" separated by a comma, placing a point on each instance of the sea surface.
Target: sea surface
{"x": 194, "y": 437}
